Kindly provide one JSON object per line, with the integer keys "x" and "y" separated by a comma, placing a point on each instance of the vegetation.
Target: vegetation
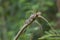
{"x": 14, "y": 13}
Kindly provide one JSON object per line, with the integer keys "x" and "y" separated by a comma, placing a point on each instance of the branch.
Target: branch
{"x": 28, "y": 22}
{"x": 48, "y": 23}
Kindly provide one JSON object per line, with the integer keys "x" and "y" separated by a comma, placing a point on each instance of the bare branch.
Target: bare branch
{"x": 48, "y": 23}
{"x": 28, "y": 22}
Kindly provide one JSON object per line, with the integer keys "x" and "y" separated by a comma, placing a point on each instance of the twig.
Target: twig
{"x": 41, "y": 29}
{"x": 48, "y": 23}
{"x": 28, "y": 22}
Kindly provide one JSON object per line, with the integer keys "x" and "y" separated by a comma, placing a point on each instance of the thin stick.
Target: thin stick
{"x": 41, "y": 29}
{"x": 28, "y": 22}
{"x": 47, "y": 22}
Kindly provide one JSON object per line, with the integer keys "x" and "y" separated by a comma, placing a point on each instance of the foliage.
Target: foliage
{"x": 51, "y": 35}
{"x": 13, "y": 14}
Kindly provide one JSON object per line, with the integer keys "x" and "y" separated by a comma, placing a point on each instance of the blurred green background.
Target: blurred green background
{"x": 13, "y": 14}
